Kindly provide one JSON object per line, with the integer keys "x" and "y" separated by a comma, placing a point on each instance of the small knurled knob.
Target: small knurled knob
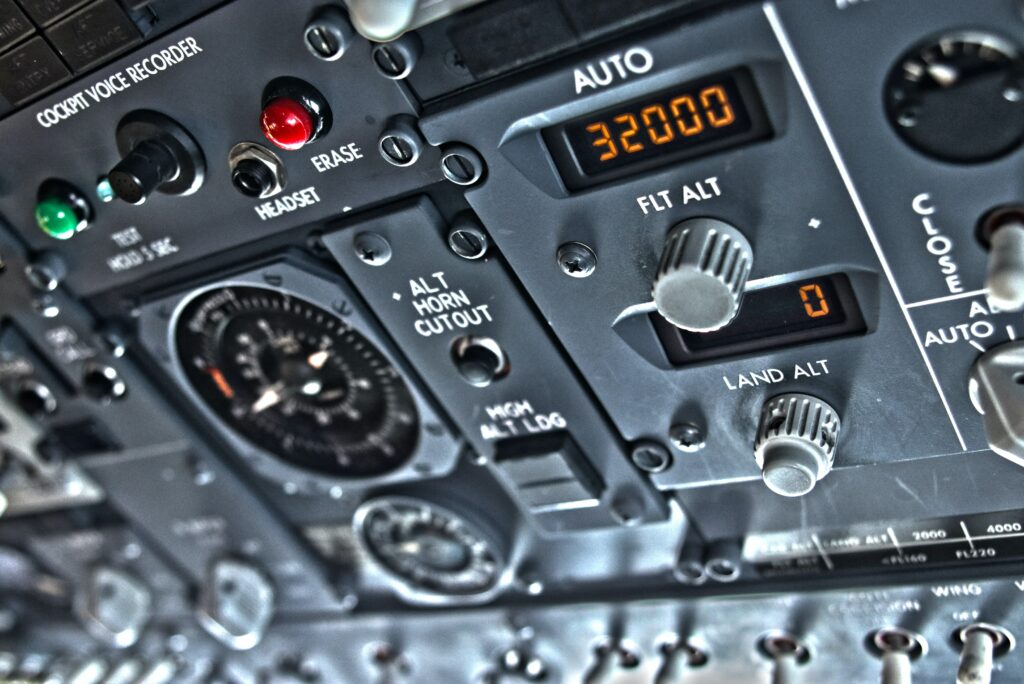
{"x": 796, "y": 443}
{"x": 703, "y": 271}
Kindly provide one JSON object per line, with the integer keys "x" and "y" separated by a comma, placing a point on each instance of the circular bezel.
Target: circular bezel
{"x": 408, "y": 588}
{"x": 357, "y": 419}
{"x": 902, "y": 97}
{"x": 438, "y": 450}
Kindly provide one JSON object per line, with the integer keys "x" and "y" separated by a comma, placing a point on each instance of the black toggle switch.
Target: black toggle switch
{"x": 158, "y": 155}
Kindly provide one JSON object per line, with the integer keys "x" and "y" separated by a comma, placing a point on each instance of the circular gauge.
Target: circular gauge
{"x": 432, "y": 554}
{"x": 960, "y": 97}
{"x": 297, "y": 381}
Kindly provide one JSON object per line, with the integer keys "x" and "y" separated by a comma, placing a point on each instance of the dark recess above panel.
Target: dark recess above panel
{"x": 503, "y": 35}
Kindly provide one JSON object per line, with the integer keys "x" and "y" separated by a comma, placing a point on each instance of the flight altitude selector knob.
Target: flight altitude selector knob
{"x": 158, "y": 154}
{"x": 796, "y": 443}
{"x": 703, "y": 271}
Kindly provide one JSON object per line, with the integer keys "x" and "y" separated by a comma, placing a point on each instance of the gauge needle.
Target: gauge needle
{"x": 271, "y": 397}
{"x": 318, "y": 359}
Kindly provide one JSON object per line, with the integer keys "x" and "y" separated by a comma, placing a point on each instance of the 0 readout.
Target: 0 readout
{"x": 792, "y": 313}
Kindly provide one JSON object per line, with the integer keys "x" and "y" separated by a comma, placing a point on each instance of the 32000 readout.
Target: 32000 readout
{"x": 687, "y": 121}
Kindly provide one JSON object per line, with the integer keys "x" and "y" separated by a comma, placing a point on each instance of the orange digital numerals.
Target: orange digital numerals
{"x": 685, "y": 116}
{"x": 814, "y": 300}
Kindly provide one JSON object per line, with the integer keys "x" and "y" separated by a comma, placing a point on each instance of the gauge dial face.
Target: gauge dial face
{"x": 428, "y": 549}
{"x": 960, "y": 97}
{"x": 297, "y": 381}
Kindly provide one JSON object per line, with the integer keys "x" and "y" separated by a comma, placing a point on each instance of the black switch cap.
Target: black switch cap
{"x": 28, "y": 70}
{"x": 45, "y": 11}
{"x": 93, "y": 34}
{"x": 14, "y": 25}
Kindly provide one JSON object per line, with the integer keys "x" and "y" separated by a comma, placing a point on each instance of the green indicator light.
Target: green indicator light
{"x": 57, "y": 218}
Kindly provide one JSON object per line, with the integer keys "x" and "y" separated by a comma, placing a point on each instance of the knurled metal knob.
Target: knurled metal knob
{"x": 114, "y": 606}
{"x": 796, "y": 443}
{"x": 703, "y": 271}
{"x": 237, "y": 603}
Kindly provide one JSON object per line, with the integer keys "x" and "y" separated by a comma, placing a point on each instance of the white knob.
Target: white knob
{"x": 703, "y": 271}
{"x": 796, "y": 443}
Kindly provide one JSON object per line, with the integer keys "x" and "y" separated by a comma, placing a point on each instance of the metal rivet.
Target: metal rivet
{"x": 576, "y": 259}
{"x": 372, "y": 249}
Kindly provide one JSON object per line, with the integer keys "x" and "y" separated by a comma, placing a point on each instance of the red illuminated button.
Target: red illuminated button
{"x": 287, "y": 123}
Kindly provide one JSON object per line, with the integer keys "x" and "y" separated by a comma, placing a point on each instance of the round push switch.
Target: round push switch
{"x": 479, "y": 360}
{"x": 293, "y": 113}
{"x": 796, "y": 443}
{"x": 287, "y": 123}
{"x": 61, "y": 210}
{"x": 703, "y": 270}
{"x": 57, "y": 218}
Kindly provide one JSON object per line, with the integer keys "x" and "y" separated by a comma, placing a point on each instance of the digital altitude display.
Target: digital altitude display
{"x": 684, "y": 122}
{"x": 772, "y": 317}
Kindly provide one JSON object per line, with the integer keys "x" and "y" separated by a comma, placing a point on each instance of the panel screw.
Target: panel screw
{"x": 390, "y": 61}
{"x": 321, "y": 43}
{"x": 401, "y": 142}
{"x": 397, "y": 150}
{"x": 651, "y": 457}
{"x": 454, "y": 63}
{"x": 372, "y": 249}
{"x": 468, "y": 240}
{"x": 461, "y": 164}
{"x": 576, "y": 260}
{"x": 329, "y": 34}
{"x": 396, "y": 60}
{"x": 687, "y": 437}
